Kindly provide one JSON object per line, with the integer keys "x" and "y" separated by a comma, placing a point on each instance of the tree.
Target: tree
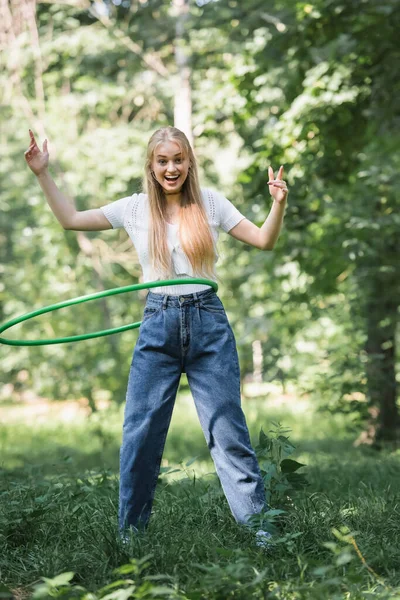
{"x": 318, "y": 88}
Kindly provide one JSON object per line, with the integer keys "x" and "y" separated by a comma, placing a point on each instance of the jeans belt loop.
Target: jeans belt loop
{"x": 165, "y": 300}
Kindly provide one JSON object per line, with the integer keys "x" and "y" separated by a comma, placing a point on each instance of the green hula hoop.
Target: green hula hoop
{"x": 87, "y": 298}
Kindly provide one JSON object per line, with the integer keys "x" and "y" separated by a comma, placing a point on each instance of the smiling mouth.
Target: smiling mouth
{"x": 172, "y": 179}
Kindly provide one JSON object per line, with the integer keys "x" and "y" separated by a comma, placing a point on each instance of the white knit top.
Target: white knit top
{"x": 133, "y": 212}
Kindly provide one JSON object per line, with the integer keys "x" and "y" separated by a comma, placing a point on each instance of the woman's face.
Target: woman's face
{"x": 170, "y": 167}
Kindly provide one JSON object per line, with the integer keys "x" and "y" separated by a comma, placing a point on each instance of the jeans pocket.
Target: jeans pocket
{"x": 212, "y": 304}
{"x": 150, "y": 311}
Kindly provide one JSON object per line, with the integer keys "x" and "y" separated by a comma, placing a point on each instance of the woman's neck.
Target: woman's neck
{"x": 173, "y": 199}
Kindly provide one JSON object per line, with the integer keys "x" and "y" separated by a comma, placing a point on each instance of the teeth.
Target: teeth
{"x": 172, "y": 178}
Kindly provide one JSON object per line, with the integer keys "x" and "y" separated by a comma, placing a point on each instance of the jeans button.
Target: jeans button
{"x": 181, "y": 298}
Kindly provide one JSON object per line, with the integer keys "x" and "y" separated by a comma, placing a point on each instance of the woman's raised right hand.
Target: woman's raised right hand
{"x": 37, "y": 161}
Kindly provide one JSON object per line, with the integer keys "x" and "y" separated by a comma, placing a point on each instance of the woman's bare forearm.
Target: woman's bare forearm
{"x": 63, "y": 208}
{"x": 272, "y": 227}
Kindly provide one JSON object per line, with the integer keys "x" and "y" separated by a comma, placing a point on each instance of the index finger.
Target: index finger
{"x": 280, "y": 172}
{"x": 32, "y": 137}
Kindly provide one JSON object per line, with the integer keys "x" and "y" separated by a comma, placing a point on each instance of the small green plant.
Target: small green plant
{"x": 238, "y": 578}
{"x": 280, "y": 481}
{"x": 329, "y": 577}
{"x": 279, "y": 472}
{"x": 130, "y": 583}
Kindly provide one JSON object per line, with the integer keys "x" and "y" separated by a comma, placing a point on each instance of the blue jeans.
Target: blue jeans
{"x": 186, "y": 334}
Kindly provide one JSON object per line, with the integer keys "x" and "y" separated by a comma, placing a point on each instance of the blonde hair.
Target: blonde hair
{"x": 194, "y": 231}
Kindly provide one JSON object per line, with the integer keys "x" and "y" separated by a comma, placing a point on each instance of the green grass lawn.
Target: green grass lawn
{"x": 59, "y": 497}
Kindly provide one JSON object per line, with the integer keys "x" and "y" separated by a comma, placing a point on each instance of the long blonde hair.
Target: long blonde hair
{"x": 194, "y": 231}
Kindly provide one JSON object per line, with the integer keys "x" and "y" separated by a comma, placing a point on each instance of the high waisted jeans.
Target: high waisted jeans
{"x": 186, "y": 334}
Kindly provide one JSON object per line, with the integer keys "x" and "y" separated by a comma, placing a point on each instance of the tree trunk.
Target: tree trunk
{"x": 257, "y": 361}
{"x": 183, "y": 93}
{"x": 381, "y": 351}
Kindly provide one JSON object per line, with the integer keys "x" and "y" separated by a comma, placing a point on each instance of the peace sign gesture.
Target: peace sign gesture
{"x": 37, "y": 160}
{"x": 278, "y": 188}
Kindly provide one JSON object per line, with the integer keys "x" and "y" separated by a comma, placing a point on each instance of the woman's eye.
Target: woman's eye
{"x": 162, "y": 161}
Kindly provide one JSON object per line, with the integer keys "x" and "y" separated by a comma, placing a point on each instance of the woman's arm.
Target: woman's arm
{"x": 265, "y": 237}
{"x": 271, "y": 229}
{"x": 64, "y": 210}
{"x": 66, "y": 213}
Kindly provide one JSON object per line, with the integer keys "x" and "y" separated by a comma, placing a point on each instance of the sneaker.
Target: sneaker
{"x": 126, "y": 535}
{"x": 263, "y": 539}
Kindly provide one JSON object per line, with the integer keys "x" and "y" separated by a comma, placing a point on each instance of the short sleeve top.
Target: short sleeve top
{"x": 132, "y": 213}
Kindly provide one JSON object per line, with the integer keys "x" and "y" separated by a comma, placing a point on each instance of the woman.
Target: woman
{"x": 174, "y": 228}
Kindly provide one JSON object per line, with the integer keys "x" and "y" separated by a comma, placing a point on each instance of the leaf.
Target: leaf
{"x": 114, "y": 584}
{"x": 287, "y": 446}
{"x": 344, "y": 558}
{"x": 274, "y": 512}
{"x": 269, "y": 469}
{"x": 191, "y": 461}
{"x": 282, "y": 488}
{"x": 264, "y": 440}
{"x": 333, "y": 546}
{"x": 297, "y": 480}
{"x": 158, "y": 577}
{"x": 59, "y": 580}
{"x": 344, "y": 535}
{"x": 169, "y": 470}
{"x": 321, "y": 571}
{"x": 288, "y": 465}
{"x": 126, "y": 569}
{"x": 121, "y": 594}
{"x": 160, "y": 590}
{"x": 41, "y": 591}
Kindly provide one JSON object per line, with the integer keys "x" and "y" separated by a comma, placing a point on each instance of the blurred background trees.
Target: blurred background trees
{"x": 307, "y": 85}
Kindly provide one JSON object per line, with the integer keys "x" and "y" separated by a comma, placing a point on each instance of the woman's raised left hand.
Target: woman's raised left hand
{"x": 277, "y": 187}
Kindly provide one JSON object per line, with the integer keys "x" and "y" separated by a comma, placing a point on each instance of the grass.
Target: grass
{"x": 59, "y": 496}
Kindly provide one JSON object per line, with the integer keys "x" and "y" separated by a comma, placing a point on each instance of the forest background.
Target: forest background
{"x": 307, "y": 85}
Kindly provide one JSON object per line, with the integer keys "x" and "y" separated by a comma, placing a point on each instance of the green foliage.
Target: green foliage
{"x": 297, "y": 84}
{"x": 58, "y": 515}
{"x": 312, "y": 100}
{"x": 279, "y": 471}
{"x": 307, "y": 85}
{"x": 136, "y": 585}
{"x": 5, "y": 592}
